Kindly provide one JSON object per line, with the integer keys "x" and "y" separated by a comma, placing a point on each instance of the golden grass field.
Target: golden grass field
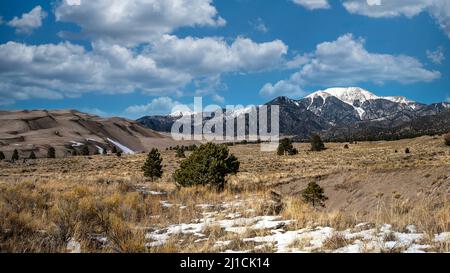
{"x": 104, "y": 204}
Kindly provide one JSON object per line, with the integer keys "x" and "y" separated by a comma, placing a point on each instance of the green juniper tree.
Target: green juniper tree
{"x": 286, "y": 147}
{"x": 32, "y": 155}
{"x": 85, "y": 151}
{"x": 317, "y": 144}
{"x": 2, "y": 156}
{"x": 293, "y": 151}
{"x": 180, "y": 153}
{"x": 15, "y": 156}
{"x": 209, "y": 164}
{"x": 153, "y": 165}
{"x": 314, "y": 195}
{"x": 51, "y": 152}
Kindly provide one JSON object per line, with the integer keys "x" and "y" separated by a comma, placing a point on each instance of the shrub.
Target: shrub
{"x": 2, "y": 156}
{"x": 286, "y": 147}
{"x": 152, "y": 167}
{"x": 15, "y": 155}
{"x": 317, "y": 144}
{"x": 85, "y": 151}
{"x": 32, "y": 155}
{"x": 314, "y": 195}
{"x": 180, "y": 153}
{"x": 346, "y": 146}
{"x": 119, "y": 154}
{"x": 447, "y": 139}
{"x": 114, "y": 150}
{"x": 293, "y": 151}
{"x": 51, "y": 152}
{"x": 207, "y": 165}
{"x": 407, "y": 151}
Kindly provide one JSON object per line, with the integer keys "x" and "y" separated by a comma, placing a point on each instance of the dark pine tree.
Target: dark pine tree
{"x": 85, "y": 151}
{"x": 51, "y": 152}
{"x": 15, "y": 156}
{"x": 286, "y": 147}
{"x": 317, "y": 144}
{"x": 314, "y": 195}
{"x": 153, "y": 165}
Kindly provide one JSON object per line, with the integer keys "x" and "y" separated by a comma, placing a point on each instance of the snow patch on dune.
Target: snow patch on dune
{"x": 124, "y": 148}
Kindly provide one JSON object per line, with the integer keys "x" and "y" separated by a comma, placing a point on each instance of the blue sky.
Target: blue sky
{"x": 141, "y": 57}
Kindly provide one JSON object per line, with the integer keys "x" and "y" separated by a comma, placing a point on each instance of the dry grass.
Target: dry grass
{"x": 336, "y": 241}
{"x": 45, "y": 203}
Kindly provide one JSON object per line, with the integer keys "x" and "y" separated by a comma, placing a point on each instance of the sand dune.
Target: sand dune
{"x": 69, "y": 130}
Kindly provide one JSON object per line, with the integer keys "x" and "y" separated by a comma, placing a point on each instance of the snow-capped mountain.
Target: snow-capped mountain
{"x": 360, "y": 104}
{"x": 327, "y": 110}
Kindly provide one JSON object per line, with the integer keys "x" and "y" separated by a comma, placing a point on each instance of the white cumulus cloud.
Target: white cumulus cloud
{"x": 133, "y": 50}
{"x": 438, "y": 9}
{"x": 211, "y": 55}
{"x": 28, "y": 21}
{"x": 345, "y": 61}
{"x": 313, "y": 4}
{"x": 67, "y": 70}
{"x": 137, "y": 21}
{"x": 158, "y": 106}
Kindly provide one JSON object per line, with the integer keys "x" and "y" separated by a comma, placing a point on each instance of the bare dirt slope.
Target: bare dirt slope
{"x": 363, "y": 191}
{"x": 66, "y": 130}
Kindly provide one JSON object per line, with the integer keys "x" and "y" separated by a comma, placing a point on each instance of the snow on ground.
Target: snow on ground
{"x": 124, "y": 149}
{"x": 76, "y": 144}
{"x": 99, "y": 149}
{"x": 276, "y": 232}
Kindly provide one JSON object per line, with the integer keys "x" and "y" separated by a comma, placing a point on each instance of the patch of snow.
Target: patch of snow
{"x": 166, "y": 204}
{"x": 100, "y": 149}
{"x": 360, "y": 111}
{"x": 443, "y": 237}
{"x": 411, "y": 229}
{"x": 401, "y": 100}
{"x": 222, "y": 243}
{"x": 73, "y": 246}
{"x": 238, "y": 230}
{"x": 179, "y": 114}
{"x": 76, "y": 144}
{"x": 204, "y": 206}
{"x": 124, "y": 149}
{"x": 238, "y": 112}
{"x": 233, "y": 215}
{"x": 157, "y": 193}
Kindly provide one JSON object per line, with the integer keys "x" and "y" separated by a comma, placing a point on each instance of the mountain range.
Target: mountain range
{"x": 346, "y": 113}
